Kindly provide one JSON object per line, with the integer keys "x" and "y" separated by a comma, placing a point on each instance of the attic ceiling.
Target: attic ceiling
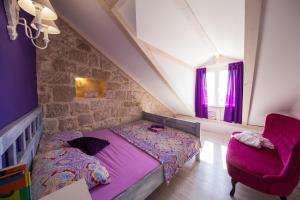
{"x": 187, "y": 30}
{"x": 160, "y": 43}
{"x": 171, "y": 40}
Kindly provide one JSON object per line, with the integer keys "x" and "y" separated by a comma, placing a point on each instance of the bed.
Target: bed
{"x": 19, "y": 142}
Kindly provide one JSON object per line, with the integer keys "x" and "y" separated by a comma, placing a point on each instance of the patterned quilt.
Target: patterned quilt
{"x": 171, "y": 147}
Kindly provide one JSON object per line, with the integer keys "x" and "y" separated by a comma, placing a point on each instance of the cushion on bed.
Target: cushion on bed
{"x": 89, "y": 145}
{"x": 57, "y": 140}
{"x": 58, "y": 168}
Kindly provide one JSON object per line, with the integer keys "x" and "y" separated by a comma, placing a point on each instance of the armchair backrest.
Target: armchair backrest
{"x": 284, "y": 133}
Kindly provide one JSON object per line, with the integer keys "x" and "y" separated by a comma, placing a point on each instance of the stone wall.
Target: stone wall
{"x": 69, "y": 56}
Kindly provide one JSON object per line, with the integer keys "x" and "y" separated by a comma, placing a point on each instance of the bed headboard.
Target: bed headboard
{"x": 186, "y": 126}
{"x": 19, "y": 140}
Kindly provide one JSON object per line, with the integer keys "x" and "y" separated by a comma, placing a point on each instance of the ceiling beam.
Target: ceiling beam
{"x": 111, "y": 3}
{"x": 165, "y": 54}
{"x": 112, "y": 11}
{"x": 253, "y": 11}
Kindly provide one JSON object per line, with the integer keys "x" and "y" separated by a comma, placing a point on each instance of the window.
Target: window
{"x": 216, "y": 87}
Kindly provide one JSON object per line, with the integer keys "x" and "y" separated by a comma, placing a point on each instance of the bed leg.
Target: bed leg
{"x": 197, "y": 157}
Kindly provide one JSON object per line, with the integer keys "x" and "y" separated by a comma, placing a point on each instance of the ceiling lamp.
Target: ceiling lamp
{"x": 43, "y": 22}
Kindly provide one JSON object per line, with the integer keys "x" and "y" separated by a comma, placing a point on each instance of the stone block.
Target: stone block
{"x": 85, "y": 119}
{"x": 78, "y": 108}
{"x": 107, "y": 65}
{"x": 64, "y": 66}
{"x": 50, "y": 124}
{"x": 113, "y": 86}
{"x": 78, "y": 56}
{"x": 84, "y": 46}
{"x": 44, "y": 98}
{"x": 109, "y": 94}
{"x": 96, "y": 105}
{"x": 131, "y": 104}
{"x": 42, "y": 88}
{"x": 84, "y": 72}
{"x": 93, "y": 60}
{"x": 101, "y": 75}
{"x": 68, "y": 124}
{"x": 57, "y": 110}
{"x": 120, "y": 77}
{"x": 101, "y": 115}
{"x": 119, "y": 112}
{"x": 53, "y": 77}
{"x": 111, "y": 122}
{"x": 125, "y": 86}
{"x": 63, "y": 93}
{"x": 120, "y": 95}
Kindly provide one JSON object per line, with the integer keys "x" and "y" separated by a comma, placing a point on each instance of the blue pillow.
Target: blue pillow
{"x": 89, "y": 145}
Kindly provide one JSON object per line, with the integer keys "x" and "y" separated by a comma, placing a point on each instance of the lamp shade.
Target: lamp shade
{"x": 48, "y": 25}
{"x": 47, "y": 11}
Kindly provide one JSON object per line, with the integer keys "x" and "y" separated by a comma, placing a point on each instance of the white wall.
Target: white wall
{"x": 224, "y": 22}
{"x": 277, "y": 81}
{"x": 221, "y": 127}
{"x": 182, "y": 79}
{"x": 295, "y": 111}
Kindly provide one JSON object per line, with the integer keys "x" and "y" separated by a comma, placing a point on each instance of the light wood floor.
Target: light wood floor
{"x": 209, "y": 179}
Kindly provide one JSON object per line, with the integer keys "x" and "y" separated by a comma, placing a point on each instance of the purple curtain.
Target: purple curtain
{"x": 234, "y": 98}
{"x": 201, "y": 94}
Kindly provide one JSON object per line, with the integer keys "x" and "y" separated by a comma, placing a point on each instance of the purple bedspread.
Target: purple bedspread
{"x": 171, "y": 147}
{"x": 125, "y": 163}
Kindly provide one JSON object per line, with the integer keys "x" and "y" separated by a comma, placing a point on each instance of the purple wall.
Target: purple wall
{"x": 18, "y": 93}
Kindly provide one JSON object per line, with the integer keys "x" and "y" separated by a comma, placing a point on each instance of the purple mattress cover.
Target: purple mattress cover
{"x": 125, "y": 163}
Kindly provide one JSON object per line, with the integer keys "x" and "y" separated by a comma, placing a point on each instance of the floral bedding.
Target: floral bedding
{"x": 170, "y": 146}
{"x": 58, "y": 168}
{"x": 56, "y": 141}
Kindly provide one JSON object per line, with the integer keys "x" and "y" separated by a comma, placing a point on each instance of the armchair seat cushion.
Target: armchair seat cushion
{"x": 253, "y": 161}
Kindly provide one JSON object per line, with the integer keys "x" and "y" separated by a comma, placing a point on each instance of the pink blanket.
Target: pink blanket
{"x": 126, "y": 165}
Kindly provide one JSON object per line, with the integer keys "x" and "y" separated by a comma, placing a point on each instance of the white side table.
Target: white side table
{"x": 76, "y": 191}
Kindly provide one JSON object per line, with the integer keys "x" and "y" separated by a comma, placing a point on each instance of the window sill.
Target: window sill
{"x": 220, "y": 122}
{"x": 216, "y": 106}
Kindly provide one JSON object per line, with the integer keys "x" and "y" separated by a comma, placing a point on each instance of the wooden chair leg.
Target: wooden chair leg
{"x": 283, "y": 198}
{"x": 233, "y": 183}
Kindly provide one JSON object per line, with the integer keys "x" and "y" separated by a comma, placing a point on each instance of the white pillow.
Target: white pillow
{"x": 253, "y": 139}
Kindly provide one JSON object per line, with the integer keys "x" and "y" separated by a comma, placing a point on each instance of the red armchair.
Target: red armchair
{"x": 275, "y": 172}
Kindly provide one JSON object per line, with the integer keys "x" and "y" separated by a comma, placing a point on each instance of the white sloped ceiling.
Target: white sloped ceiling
{"x": 276, "y": 87}
{"x": 170, "y": 26}
{"x": 91, "y": 20}
{"x": 182, "y": 78}
{"x": 224, "y": 23}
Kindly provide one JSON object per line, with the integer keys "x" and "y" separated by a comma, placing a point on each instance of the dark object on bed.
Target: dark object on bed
{"x": 89, "y": 145}
{"x": 155, "y": 129}
{"x": 157, "y": 126}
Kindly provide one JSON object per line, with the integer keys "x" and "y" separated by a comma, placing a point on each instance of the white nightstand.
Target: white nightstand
{"x": 76, "y": 191}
